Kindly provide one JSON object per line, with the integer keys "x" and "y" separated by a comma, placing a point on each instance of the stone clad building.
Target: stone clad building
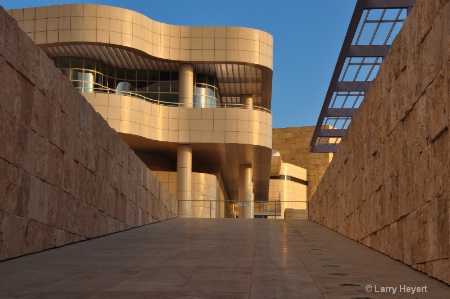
{"x": 192, "y": 102}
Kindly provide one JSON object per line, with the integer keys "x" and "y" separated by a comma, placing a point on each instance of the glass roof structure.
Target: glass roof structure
{"x": 373, "y": 27}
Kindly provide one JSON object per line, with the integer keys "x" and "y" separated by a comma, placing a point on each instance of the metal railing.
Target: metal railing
{"x": 170, "y": 104}
{"x": 230, "y": 208}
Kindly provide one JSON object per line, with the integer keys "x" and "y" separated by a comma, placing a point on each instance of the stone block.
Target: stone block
{"x": 419, "y": 237}
{"x": 101, "y": 131}
{"x": 439, "y": 269}
{"x": 54, "y": 195}
{"x": 438, "y": 101}
{"x": 40, "y": 121}
{"x": 86, "y": 116}
{"x": 48, "y": 77}
{"x": 17, "y": 230}
{"x": 9, "y": 185}
{"x": 443, "y": 225}
{"x": 4, "y": 235}
{"x": 113, "y": 199}
{"x": 55, "y": 166}
{"x": 28, "y": 56}
{"x": 59, "y": 237}
{"x": 121, "y": 208}
{"x": 83, "y": 181}
{"x": 101, "y": 200}
{"x": 8, "y": 129}
{"x": 80, "y": 225}
{"x": 439, "y": 156}
{"x": 56, "y": 119}
{"x": 69, "y": 174}
{"x": 422, "y": 180}
{"x": 431, "y": 242}
{"x": 38, "y": 202}
{"x": 9, "y": 93}
{"x": 126, "y": 182}
{"x": 9, "y": 31}
{"x": 20, "y": 146}
{"x": 111, "y": 224}
{"x": 89, "y": 226}
{"x": 65, "y": 212}
{"x": 38, "y": 237}
{"x": 23, "y": 193}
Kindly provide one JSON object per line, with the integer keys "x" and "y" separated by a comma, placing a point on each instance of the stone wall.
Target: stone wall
{"x": 65, "y": 175}
{"x": 293, "y": 144}
{"x": 388, "y": 186}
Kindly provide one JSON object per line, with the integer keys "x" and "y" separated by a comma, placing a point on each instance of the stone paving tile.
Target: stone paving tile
{"x": 214, "y": 258}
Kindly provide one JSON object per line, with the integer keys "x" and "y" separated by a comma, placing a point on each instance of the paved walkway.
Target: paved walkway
{"x": 215, "y": 258}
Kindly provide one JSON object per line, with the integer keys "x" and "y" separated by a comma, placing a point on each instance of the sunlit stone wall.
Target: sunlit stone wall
{"x": 388, "y": 186}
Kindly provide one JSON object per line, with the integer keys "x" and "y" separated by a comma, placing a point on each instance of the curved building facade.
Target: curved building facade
{"x": 185, "y": 99}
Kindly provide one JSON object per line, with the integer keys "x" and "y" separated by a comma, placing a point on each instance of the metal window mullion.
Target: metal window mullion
{"x": 361, "y": 30}
{"x": 371, "y": 69}
{"x": 359, "y": 69}
{"x": 377, "y": 27}
{"x": 392, "y": 26}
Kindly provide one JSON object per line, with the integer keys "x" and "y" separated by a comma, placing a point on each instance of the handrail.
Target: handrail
{"x": 158, "y": 102}
{"x": 270, "y": 206}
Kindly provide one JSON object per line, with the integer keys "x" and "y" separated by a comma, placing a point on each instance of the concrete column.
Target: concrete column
{"x": 246, "y": 191}
{"x": 247, "y": 99}
{"x": 184, "y": 180}
{"x": 186, "y": 85}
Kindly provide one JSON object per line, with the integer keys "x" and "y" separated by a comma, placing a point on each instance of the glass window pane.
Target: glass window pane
{"x": 120, "y": 74}
{"x": 153, "y": 86}
{"x": 200, "y": 78}
{"x": 141, "y": 75}
{"x": 77, "y": 63}
{"x": 141, "y": 85}
{"x": 63, "y": 62}
{"x": 131, "y": 75}
{"x": 165, "y": 76}
{"x": 153, "y": 76}
{"x": 174, "y": 86}
{"x": 164, "y": 87}
{"x": 111, "y": 83}
{"x": 89, "y": 64}
{"x": 77, "y": 75}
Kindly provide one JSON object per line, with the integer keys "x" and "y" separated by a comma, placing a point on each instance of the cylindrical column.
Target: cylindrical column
{"x": 246, "y": 191}
{"x": 247, "y": 99}
{"x": 186, "y": 85}
{"x": 184, "y": 180}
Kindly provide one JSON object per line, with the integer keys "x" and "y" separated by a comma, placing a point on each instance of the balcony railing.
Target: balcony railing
{"x": 171, "y": 104}
{"x": 230, "y": 208}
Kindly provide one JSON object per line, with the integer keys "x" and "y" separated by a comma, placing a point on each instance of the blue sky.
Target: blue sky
{"x": 308, "y": 36}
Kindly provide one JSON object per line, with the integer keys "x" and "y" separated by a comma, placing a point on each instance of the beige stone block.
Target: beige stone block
{"x": 231, "y": 137}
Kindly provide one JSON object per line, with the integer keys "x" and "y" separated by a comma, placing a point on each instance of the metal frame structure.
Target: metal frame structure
{"x": 373, "y": 26}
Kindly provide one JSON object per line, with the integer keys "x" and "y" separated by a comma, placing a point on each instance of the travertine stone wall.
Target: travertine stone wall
{"x": 65, "y": 175}
{"x": 293, "y": 144}
{"x": 388, "y": 186}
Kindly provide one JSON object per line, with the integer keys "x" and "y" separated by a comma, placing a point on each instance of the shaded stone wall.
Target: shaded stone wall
{"x": 388, "y": 186}
{"x": 65, "y": 175}
{"x": 293, "y": 144}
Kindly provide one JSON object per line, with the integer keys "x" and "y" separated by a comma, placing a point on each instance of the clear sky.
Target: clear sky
{"x": 308, "y": 36}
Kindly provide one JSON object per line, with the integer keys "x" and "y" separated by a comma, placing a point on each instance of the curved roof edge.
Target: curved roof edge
{"x": 89, "y": 23}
